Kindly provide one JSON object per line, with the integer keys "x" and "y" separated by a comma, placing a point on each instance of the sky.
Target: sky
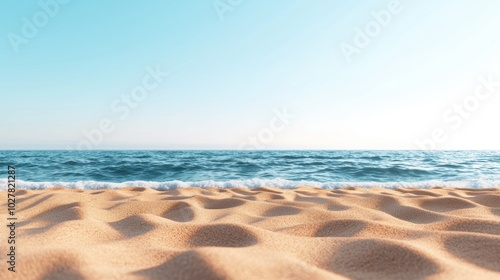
{"x": 241, "y": 74}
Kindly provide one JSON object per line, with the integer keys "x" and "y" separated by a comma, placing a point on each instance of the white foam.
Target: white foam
{"x": 251, "y": 183}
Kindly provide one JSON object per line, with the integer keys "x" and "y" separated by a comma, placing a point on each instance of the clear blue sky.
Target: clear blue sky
{"x": 229, "y": 71}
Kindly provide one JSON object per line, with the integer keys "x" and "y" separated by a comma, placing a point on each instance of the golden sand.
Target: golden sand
{"x": 264, "y": 233}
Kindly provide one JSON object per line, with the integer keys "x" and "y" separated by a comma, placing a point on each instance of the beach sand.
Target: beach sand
{"x": 264, "y": 233}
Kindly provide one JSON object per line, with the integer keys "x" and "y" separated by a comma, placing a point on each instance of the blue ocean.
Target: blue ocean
{"x": 224, "y": 169}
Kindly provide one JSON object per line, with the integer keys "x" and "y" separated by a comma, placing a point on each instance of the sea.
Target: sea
{"x": 250, "y": 169}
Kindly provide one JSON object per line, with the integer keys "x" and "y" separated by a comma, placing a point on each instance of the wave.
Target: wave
{"x": 251, "y": 183}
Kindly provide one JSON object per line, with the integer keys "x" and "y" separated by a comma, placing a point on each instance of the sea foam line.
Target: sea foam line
{"x": 250, "y": 183}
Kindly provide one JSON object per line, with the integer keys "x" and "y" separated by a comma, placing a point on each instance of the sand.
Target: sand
{"x": 265, "y": 233}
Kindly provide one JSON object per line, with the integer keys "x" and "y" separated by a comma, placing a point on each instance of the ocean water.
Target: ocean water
{"x": 283, "y": 169}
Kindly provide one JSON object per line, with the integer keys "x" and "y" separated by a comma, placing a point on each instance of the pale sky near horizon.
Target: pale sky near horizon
{"x": 430, "y": 70}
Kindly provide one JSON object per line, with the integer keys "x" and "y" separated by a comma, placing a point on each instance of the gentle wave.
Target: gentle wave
{"x": 251, "y": 183}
